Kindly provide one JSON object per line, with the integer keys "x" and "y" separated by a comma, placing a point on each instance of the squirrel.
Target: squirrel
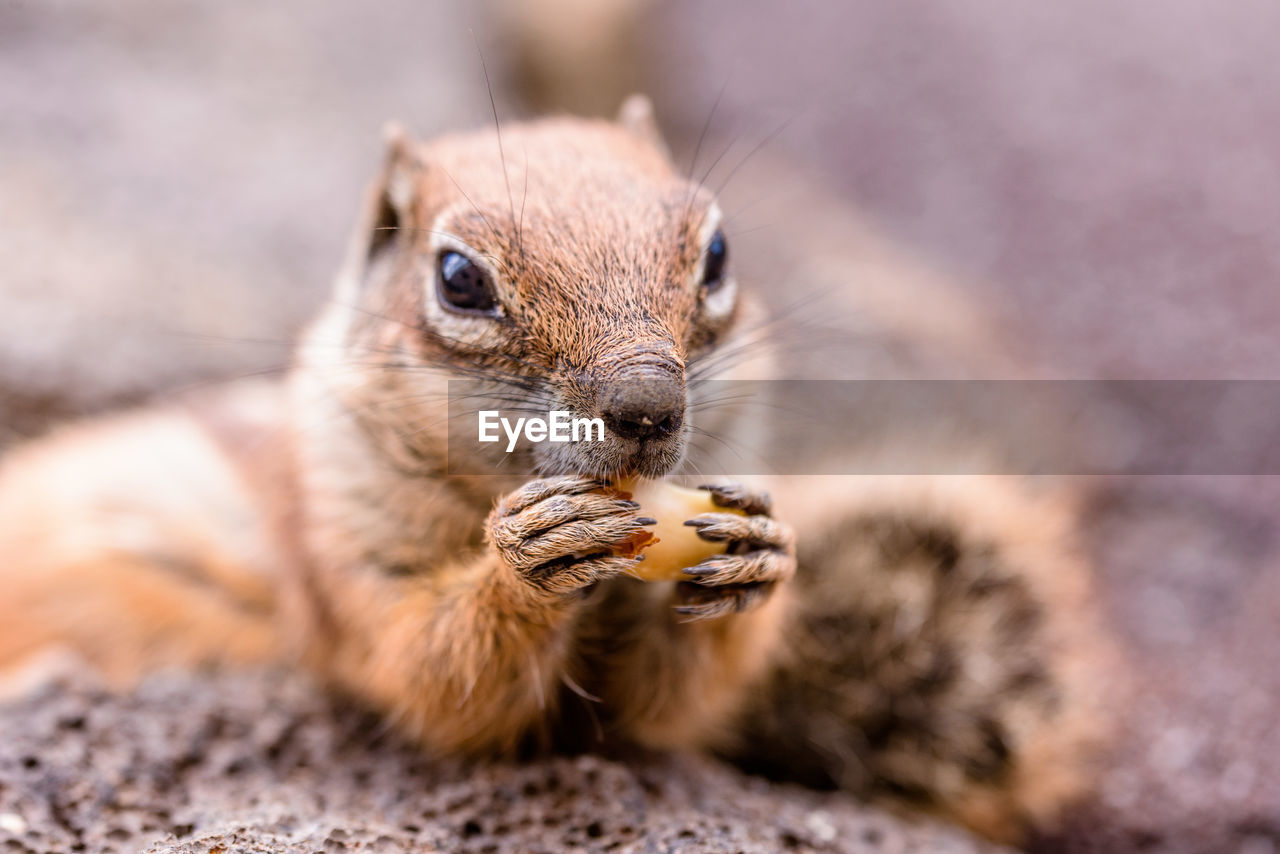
{"x": 922, "y": 642}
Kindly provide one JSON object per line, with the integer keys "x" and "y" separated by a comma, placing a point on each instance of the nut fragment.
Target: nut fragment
{"x": 670, "y": 546}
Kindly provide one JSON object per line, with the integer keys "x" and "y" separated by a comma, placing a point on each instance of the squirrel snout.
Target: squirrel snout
{"x": 643, "y": 403}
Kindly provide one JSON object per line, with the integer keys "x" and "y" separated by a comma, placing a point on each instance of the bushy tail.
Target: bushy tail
{"x": 946, "y": 656}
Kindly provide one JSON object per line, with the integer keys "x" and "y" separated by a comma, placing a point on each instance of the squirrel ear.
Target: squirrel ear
{"x": 388, "y": 206}
{"x": 636, "y": 115}
{"x": 400, "y": 169}
{"x": 392, "y": 196}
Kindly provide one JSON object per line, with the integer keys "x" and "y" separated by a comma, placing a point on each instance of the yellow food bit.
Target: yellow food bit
{"x": 670, "y": 546}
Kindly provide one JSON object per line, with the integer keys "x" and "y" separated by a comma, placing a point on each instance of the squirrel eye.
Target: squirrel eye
{"x": 713, "y": 265}
{"x": 464, "y": 286}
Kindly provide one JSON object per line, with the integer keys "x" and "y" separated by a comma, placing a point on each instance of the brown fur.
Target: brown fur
{"x": 487, "y": 615}
{"x": 946, "y": 654}
{"x": 133, "y": 542}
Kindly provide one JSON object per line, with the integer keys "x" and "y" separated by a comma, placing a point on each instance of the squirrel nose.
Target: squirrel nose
{"x": 643, "y": 403}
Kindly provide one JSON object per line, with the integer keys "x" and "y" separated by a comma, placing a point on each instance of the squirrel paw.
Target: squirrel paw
{"x": 761, "y": 555}
{"x": 735, "y": 496}
{"x": 558, "y": 533}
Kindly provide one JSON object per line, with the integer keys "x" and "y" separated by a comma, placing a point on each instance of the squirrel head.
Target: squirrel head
{"x": 561, "y": 264}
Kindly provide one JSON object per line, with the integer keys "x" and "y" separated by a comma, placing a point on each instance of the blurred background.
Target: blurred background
{"x": 986, "y": 188}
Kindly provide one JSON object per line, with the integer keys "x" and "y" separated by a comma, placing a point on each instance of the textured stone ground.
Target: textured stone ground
{"x": 260, "y": 763}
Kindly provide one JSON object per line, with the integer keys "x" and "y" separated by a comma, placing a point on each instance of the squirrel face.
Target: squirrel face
{"x": 567, "y": 266}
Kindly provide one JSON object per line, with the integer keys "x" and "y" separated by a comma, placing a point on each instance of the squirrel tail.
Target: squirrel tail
{"x": 945, "y": 656}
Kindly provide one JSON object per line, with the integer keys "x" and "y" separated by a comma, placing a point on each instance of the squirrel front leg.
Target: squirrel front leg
{"x": 673, "y": 664}
{"x": 467, "y": 658}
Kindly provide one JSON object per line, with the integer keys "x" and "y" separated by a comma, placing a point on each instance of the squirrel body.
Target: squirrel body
{"x": 926, "y": 653}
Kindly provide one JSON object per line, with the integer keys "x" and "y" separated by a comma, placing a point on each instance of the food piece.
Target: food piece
{"x": 670, "y": 546}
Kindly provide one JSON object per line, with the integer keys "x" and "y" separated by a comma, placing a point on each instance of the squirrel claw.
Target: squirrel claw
{"x": 705, "y": 603}
{"x": 735, "y": 496}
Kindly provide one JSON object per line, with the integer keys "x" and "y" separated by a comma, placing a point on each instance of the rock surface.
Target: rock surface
{"x": 204, "y": 764}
